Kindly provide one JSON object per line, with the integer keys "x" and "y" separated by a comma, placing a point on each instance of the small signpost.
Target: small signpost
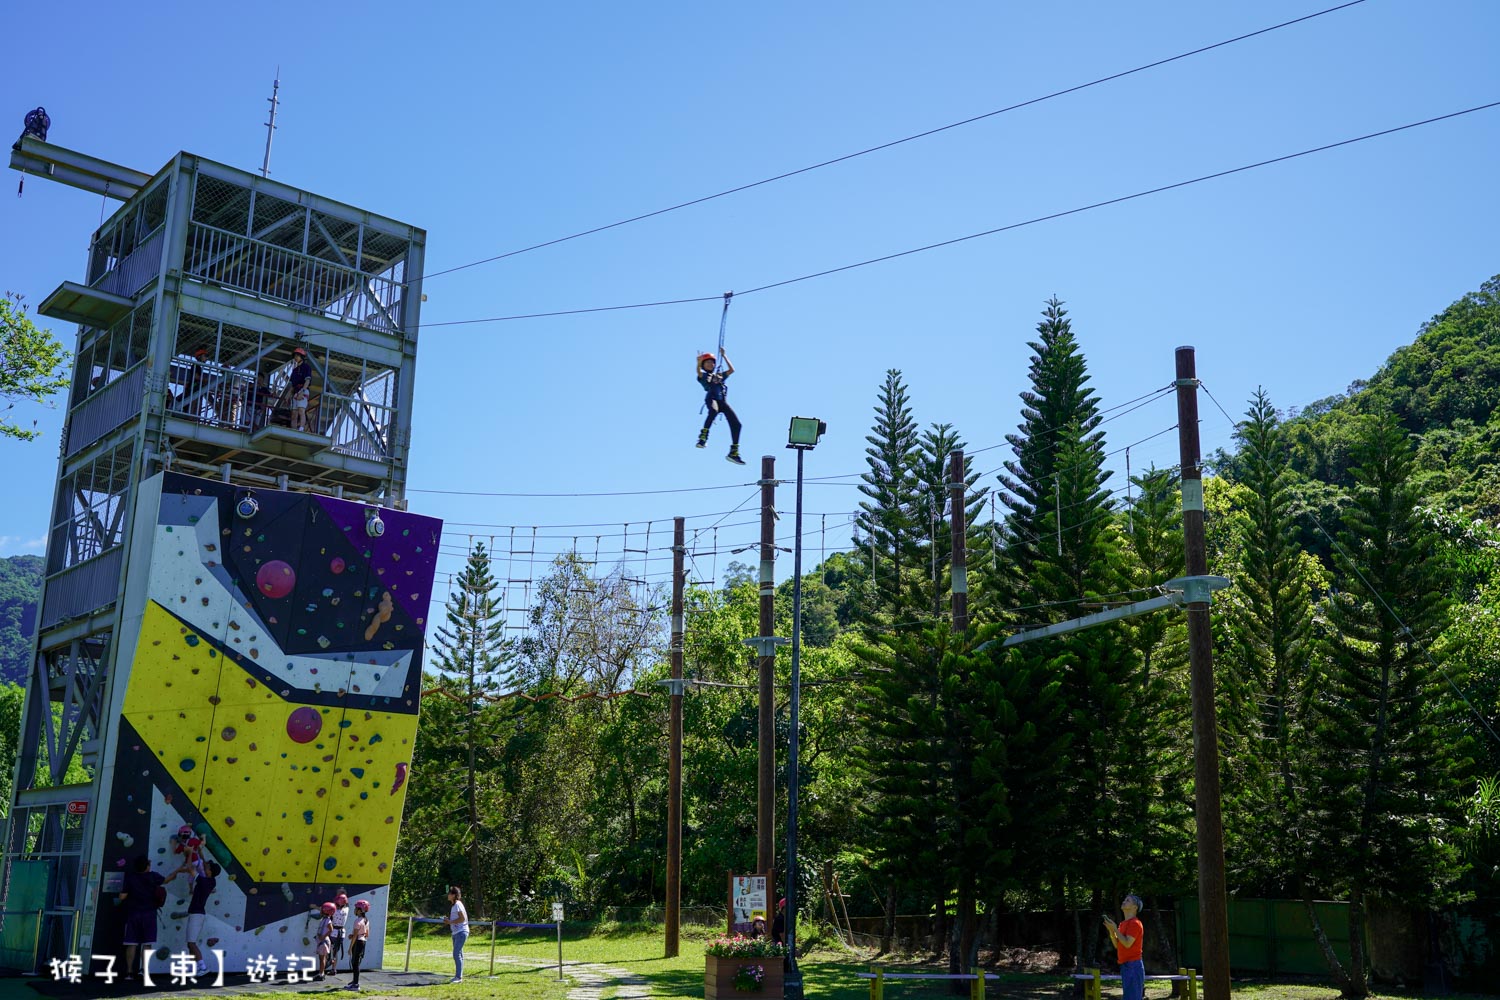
{"x": 557, "y": 918}
{"x": 748, "y": 898}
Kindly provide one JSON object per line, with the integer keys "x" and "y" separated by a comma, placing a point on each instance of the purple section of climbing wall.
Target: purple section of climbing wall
{"x": 406, "y": 559}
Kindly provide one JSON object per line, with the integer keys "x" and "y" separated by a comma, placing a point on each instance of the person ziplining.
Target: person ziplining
{"x": 716, "y": 391}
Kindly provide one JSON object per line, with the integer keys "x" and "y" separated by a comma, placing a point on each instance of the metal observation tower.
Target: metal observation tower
{"x": 231, "y": 626}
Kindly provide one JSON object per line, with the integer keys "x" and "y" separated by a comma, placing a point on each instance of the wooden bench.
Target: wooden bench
{"x": 1093, "y": 982}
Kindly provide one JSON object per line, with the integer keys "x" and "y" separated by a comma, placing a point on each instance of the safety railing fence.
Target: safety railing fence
{"x": 357, "y": 426}
{"x": 312, "y": 283}
{"x": 242, "y": 399}
{"x": 495, "y": 926}
{"x": 129, "y": 274}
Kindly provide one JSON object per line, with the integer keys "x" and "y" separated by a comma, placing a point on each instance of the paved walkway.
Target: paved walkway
{"x": 593, "y": 980}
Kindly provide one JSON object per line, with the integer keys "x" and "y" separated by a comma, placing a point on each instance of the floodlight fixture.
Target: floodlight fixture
{"x": 804, "y": 432}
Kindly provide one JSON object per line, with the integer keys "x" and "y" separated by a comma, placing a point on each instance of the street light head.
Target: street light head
{"x": 804, "y": 432}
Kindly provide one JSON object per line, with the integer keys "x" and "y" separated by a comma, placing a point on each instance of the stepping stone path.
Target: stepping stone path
{"x": 592, "y": 980}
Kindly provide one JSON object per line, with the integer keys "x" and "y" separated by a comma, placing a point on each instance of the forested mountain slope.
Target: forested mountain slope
{"x": 1445, "y": 388}
{"x": 20, "y": 585}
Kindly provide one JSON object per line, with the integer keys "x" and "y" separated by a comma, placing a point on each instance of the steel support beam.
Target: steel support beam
{"x": 66, "y": 166}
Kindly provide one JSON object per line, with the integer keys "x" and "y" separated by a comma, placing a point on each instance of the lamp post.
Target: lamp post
{"x": 802, "y": 436}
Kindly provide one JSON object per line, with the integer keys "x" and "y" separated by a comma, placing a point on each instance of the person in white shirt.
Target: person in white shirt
{"x": 458, "y": 922}
{"x": 340, "y": 922}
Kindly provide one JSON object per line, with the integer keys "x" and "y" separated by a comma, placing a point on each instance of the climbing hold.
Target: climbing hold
{"x": 304, "y": 724}
{"x": 275, "y": 579}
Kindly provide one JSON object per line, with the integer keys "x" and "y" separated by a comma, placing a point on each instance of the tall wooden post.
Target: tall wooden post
{"x": 765, "y": 829}
{"x": 1213, "y": 918}
{"x": 674, "y": 765}
{"x": 958, "y": 531}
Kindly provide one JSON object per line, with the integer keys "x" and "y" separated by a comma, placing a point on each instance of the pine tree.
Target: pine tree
{"x": 1268, "y": 664}
{"x": 471, "y": 651}
{"x": 1064, "y": 550}
{"x": 961, "y": 766}
{"x": 933, "y": 512}
{"x": 1390, "y": 752}
{"x": 1057, "y": 437}
{"x": 887, "y": 527}
{"x": 1156, "y": 797}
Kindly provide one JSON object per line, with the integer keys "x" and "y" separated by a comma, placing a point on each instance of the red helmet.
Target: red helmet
{"x": 328, "y": 909}
{"x": 341, "y": 899}
{"x": 705, "y": 356}
{"x": 361, "y": 906}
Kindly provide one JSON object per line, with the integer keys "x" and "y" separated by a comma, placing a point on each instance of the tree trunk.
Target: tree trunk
{"x": 966, "y": 936}
{"x": 1359, "y": 985}
{"x": 888, "y": 929}
{"x": 1077, "y": 941}
{"x": 940, "y": 928}
{"x": 1340, "y": 974}
{"x": 1096, "y": 907}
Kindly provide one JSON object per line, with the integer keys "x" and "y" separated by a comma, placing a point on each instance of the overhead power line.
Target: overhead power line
{"x": 987, "y": 232}
{"x": 617, "y": 493}
{"x": 888, "y": 145}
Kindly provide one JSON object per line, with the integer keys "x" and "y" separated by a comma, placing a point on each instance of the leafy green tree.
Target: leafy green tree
{"x": 12, "y": 698}
{"x": 31, "y": 363}
{"x": 471, "y": 649}
{"x": 1391, "y": 749}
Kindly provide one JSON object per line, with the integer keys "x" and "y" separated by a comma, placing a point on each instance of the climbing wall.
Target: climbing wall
{"x": 271, "y": 704}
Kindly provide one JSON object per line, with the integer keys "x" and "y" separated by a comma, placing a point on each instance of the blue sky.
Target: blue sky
{"x": 498, "y": 126}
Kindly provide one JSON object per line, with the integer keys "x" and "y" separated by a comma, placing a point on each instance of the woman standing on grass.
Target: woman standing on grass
{"x": 458, "y": 922}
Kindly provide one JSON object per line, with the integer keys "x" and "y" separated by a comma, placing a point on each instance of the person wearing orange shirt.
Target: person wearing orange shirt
{"x": 1128, "y": 936}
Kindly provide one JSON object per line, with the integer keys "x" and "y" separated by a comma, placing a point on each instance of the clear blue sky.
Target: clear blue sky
{"x": 497, "y": 126}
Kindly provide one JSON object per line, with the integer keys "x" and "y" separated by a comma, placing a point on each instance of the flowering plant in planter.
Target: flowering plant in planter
{"x": 750, "y": 978}
{"x": 739, "y": 946}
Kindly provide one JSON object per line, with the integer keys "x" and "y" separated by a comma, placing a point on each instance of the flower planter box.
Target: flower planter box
{"x": 718, "y": 978}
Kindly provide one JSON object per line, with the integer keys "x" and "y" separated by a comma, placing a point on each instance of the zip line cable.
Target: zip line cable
{"x": 888, "y": 145}
{"x": 988, "y": 232}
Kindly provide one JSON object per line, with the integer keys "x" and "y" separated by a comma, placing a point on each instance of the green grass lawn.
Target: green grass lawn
{"x": 827, "y": 973}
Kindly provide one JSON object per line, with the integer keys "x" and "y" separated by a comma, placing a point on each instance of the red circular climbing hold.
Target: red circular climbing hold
{"x": 304, "y": 725}
{"x": 337, "y": 564}
{"x": 275, "y": 579}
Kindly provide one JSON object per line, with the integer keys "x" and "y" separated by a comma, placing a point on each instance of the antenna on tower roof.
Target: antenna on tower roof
{"x": 265, "y": 166}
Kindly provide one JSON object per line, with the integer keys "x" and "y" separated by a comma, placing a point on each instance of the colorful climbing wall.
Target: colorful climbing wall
{"x": 270, "y": 703}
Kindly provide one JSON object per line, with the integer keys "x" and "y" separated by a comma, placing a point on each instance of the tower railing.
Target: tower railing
{"x": 298, "y": 279}
{"x": 129, "y": 274}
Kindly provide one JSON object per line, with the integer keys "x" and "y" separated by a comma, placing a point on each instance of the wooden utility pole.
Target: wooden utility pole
{"x": 765, "y": 844}
{"x": 958, "y": 531}
{"x": 1213, "y": 919}
{"x": 674, "y": 765}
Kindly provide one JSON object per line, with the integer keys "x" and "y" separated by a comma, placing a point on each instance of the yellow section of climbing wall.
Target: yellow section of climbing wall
{"x": 297, "y": 792}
